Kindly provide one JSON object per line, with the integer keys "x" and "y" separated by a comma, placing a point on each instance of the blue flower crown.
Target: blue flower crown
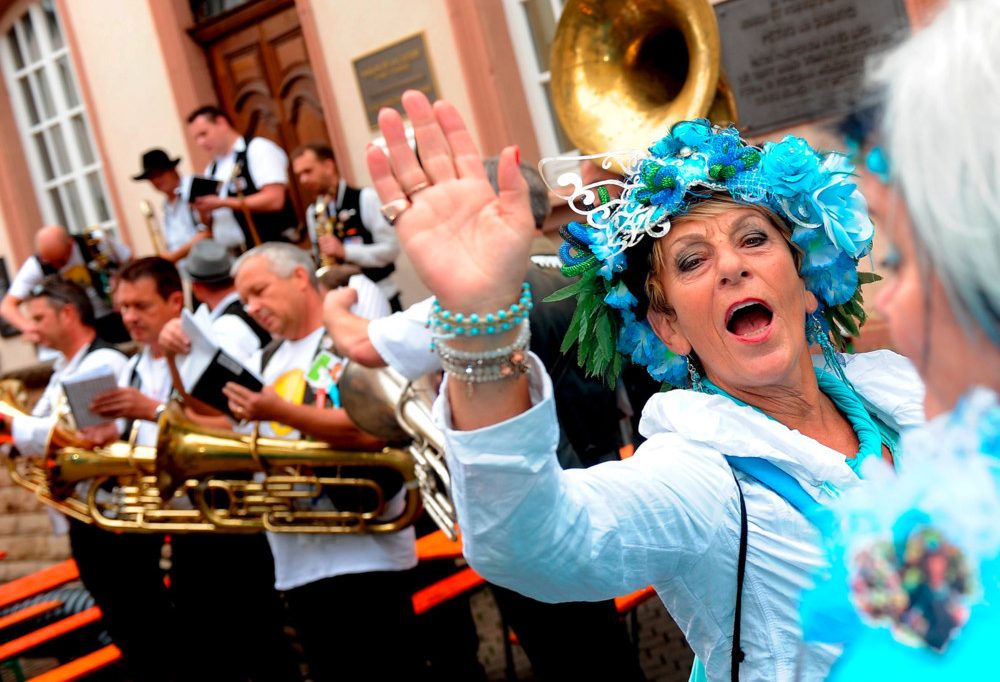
{"x": 816, "y": 194}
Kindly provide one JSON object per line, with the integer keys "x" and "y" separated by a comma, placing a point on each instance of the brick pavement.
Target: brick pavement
{"x": 663, "y": 653}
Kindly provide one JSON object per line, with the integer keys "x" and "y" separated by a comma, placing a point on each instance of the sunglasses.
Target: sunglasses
{"x": 40, "y": 290}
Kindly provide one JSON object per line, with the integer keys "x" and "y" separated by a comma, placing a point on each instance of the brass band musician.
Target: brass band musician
{"x": 348, "y": 594}
{"x": 89, "y": 259}
{"x": 242, "y": 637}
{"x": 358, "y": 234}
{"x": 182, "y": 225}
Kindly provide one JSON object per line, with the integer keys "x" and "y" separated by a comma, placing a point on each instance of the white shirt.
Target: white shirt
{"x": 180, "y": 225}
{"x": 404, "y": 341}
{"x": 668, "y": 516}
{"x": 385, "y": 246}
{"x": 231, "y": 332}
{"x": 75, "y": 270}
{"x": 30, "y": 433}
{"x": 372, "y": 303}
{"x": 267, "y": 164}
{"x": 300, "y": 559}
{"x": 155, "y": 382}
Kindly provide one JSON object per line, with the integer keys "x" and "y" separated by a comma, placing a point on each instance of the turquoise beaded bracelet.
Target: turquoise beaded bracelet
{"x": 447, "y": 324}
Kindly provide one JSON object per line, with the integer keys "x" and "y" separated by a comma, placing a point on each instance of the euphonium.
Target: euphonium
{"x": 384, "y": 403}
{"x": 153, "y": 226}
{"x": 324, "y": 228}
{"x": 624, "y": 71}
{"x": 40, "y": 474}
{"x": 346, "y": 488}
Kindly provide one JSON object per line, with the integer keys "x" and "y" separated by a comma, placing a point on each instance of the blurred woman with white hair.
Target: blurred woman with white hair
{"x": 921, "y": 552}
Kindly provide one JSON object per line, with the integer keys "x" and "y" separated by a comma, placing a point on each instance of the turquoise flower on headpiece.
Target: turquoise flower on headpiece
{"x": 835, "y": 284}
{"x": 817, "y": 250}
{"x": 620, "y": 297}
{"x": 791, "y": 167}
{"x": 686, "y": 136}
{"x": 730, "y": 156}
{"x": 841, "y": 208}
{"x": 638, "y": 340}
{"x": 610, "y": 255}
{"x": 660, "y": 186}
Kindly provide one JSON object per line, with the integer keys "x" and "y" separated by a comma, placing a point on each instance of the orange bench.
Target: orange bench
{"x": 38, "y": 582}
{"x": 28, "y": 613}
{"x": 81, "y": 667}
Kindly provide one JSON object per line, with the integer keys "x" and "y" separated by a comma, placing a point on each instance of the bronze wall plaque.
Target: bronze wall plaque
{"x": 384, "y": 74}
{"x": 790, "y": 61}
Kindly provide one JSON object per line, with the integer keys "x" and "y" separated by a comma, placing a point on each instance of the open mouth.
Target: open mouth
{"x": 748, "y": 318}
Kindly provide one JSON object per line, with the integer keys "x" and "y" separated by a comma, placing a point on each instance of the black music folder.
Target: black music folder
{"x": 208, "y": 368}
{"x": 199, "y": 186}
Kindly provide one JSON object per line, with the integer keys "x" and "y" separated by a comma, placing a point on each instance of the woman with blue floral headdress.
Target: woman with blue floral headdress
{"x": 716, "y": 268}
{"x": 914, "y": 583}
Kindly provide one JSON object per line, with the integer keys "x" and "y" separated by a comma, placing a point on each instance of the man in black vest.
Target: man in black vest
{"x": 254, "y": 198}
{"x": 360, "y": 235}
{"x": 208, "y": 266}
{"x": 76, "y": 259}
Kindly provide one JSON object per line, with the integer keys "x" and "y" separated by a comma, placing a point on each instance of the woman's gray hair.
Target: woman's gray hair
{"x": 942, "y": 105}
{"x": 282, "y": 259}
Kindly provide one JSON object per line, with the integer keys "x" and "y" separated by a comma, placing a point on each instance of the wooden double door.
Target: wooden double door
{"x": 263, "y": 75}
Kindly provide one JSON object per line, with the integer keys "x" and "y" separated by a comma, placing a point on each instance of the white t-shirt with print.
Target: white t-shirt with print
{"x": 300, "y": 559}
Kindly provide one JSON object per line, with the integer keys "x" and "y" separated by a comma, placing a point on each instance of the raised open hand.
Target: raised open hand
{"x": 468, "y": 243}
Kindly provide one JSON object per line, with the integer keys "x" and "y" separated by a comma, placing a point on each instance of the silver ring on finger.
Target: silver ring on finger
{"x": 395, "y": 208}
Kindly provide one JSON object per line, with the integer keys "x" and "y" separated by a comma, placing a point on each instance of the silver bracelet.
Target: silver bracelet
{"x": 507, "y": 362}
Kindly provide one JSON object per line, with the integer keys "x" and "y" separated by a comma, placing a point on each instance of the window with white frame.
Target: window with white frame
{"x": 65, "y": 167}
{"x": 532, "y": 26}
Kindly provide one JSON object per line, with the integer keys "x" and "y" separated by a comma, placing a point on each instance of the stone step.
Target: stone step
{"x": 35, "y": 547}
{"x": 16, "y": 499}
{"x": 26, "y": 523}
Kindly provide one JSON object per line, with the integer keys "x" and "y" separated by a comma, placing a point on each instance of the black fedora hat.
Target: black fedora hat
{"x": 155, "y": 161}
{"x": 208, "y": 262}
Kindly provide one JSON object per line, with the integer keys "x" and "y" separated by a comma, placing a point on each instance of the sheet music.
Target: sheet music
{"x": 81, "y": 389}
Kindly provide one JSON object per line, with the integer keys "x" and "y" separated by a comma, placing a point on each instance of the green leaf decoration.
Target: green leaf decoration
{"x": 868, "y": 277}
{"x": 567, "y": 291}
{"x": 715, "y": 170}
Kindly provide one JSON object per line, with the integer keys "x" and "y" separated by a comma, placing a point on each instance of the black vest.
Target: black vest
{"x": 99, "y": 281}
{"x": 270, "y": 226}
{"x": 352, "y": 227}
{"x": 236, "y": 308}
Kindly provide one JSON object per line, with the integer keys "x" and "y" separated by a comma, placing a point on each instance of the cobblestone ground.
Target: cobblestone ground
{"x": 663, "y": 653}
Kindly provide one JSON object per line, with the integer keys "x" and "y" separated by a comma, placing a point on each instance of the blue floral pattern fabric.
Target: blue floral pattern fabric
{"x": 907, "y": 623}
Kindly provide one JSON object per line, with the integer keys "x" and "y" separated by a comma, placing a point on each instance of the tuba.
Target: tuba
{"x": 384, "y": 403}
{"x": 624, "y": 71}
{"x": 212, "y": 468}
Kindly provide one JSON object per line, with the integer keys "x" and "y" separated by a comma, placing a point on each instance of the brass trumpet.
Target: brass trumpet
{"x": 153, "y": 226}
{"x": 324, "y": 228}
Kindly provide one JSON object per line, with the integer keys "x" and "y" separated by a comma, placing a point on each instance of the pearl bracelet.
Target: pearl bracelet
{"x": 447, "y": 324}
{"x": 507, "y": 362}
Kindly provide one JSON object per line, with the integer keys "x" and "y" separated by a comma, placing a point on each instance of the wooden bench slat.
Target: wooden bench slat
{"x": 437, "y": 545}
{"x": 29, "y": 641}
{"x": 81, "y": 667}
{"x": 628, "y": 602}
{"x": 38, "y": 582}
{"x": 29, "y": 612}
{"x": 443, "y": 590}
